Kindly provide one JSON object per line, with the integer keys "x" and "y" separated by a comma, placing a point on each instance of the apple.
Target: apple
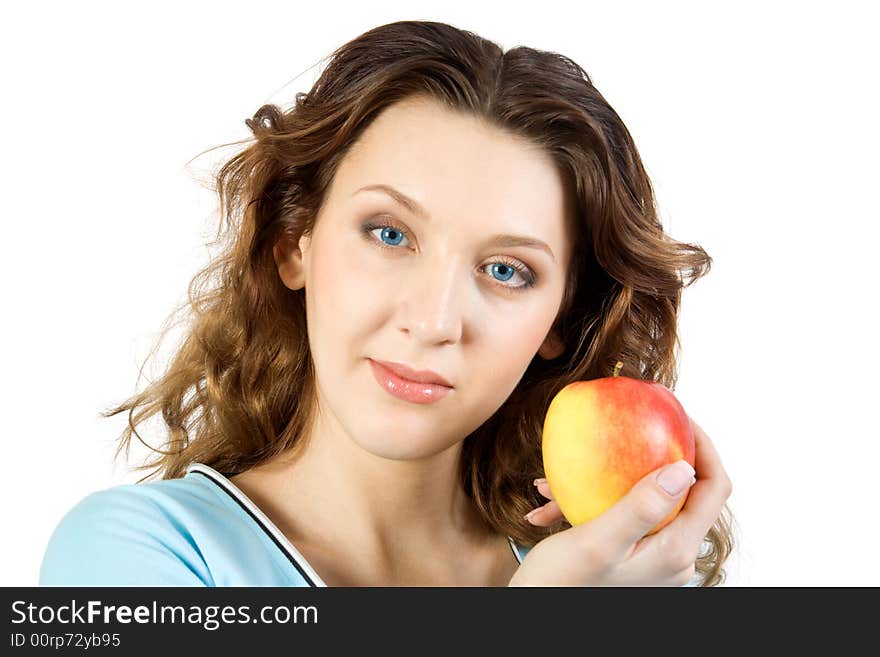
{"x": 602, "y": 436}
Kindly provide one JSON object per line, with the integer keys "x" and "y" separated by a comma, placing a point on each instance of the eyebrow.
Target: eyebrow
{"x": 415, "y": 208}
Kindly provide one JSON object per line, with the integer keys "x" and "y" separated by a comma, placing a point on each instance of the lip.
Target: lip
{"x": 388, "y": 376}
{"x": 416, "y": 376}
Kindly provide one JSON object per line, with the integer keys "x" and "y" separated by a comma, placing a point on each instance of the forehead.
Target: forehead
{"x": 459, "y": 167}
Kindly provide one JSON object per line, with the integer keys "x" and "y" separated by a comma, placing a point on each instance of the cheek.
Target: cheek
{"x": 341, "y": 292}
{"x": 345, "y": 267}
{"x": 507, "y": 350}
{"x": 335, "y": 278}
{"x": 516, "y": 330}
{"x": 524, "y": 340}
{"x": 355, "y": 284}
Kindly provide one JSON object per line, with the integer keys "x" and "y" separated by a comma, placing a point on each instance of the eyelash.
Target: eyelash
{"x": 524, "y": 271}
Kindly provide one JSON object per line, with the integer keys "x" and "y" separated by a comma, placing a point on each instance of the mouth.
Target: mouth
{"x": 414, "y": 375}
{"x": 389, "y": 377}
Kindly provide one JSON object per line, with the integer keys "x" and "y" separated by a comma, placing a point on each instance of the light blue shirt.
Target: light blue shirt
{"x": 199, "y": 530}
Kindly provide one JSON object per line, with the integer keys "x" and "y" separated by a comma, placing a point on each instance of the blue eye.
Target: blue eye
{"x": 391, "y": 236}
{"x": 506, "y": 270}
{"x": 391, "y": 233}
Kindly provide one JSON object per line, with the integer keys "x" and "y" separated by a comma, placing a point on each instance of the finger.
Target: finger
{"x": 639, "y": 511}
{"x": 707, "y": 497}
{"x": 700, "y": 511}
{"x": 544, "y": 488}
{"x": 545, "y": 515}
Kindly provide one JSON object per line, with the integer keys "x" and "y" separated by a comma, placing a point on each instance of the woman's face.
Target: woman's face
{"x": 428, "y": 283}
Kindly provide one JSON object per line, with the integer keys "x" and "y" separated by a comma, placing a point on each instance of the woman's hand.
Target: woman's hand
{"x": 612, "y": 549}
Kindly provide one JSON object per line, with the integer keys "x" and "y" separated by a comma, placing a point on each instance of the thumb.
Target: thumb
{"x": 647, "y": 503}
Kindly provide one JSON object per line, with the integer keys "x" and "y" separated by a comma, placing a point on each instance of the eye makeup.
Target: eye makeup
{"x": 525, "y": 272}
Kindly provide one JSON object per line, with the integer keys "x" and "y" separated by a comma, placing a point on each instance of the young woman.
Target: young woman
{"x": 422, "y": 251}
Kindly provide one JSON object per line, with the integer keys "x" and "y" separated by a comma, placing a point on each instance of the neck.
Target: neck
{"x": 334, "y": 490}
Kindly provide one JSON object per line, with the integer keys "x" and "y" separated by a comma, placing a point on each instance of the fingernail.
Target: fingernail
{"x": 539, "y": 481}
{"x": 676, "y": 477}
{"x": 530, "y": 514}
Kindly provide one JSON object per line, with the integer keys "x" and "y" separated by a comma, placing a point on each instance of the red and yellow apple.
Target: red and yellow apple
{"x": 602, "y": 436}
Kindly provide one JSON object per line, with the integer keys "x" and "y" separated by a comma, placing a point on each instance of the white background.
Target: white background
{"x": 757, "y": 123}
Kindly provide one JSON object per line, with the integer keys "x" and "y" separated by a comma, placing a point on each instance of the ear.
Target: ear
{"x": 552, "y": 346}
{"x": 290, "y": 259}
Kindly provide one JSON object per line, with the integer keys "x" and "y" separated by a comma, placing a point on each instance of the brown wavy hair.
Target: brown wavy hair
{"x": 240, "y": 388}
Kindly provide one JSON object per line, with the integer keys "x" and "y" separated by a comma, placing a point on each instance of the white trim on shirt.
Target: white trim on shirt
{"x": 268, "y": 526}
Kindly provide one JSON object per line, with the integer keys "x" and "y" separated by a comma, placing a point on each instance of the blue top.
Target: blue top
{"x": 200, "y": 530}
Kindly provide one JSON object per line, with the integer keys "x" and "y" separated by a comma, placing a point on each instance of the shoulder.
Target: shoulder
{"x": 174, "y": 532}
{"x": 131, "y": 534}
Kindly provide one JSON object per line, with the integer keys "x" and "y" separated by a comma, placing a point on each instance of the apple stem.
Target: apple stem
{"x": 617, "y": 367}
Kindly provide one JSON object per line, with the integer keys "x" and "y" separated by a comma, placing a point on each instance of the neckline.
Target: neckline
{"x": 271, "y": 530}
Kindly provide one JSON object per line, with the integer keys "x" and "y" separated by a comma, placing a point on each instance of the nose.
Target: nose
{"x": 431, "y": 310}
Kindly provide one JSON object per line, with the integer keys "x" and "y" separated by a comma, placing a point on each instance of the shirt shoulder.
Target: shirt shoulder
{"x": 522, "y": 550}
{"x": 174, "y": 532}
